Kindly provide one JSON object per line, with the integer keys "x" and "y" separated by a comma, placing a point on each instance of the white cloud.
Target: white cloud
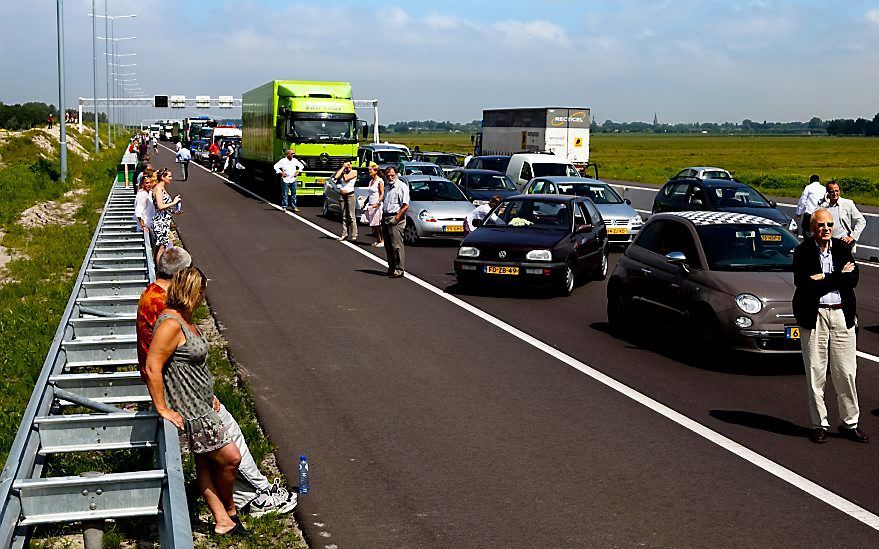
{"x": 520, "y": 32}
{"x": 873, "y": 17}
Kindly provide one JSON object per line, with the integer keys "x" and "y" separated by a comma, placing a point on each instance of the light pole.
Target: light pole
{"x": 109, "y": 20}
{"x": 61, "y": 98}
{"x": 95, "y": 75}
{"x": 115, "y": 40}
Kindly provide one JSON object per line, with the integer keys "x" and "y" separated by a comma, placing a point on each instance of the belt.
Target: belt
{"x": 385, "y": 214}
{"x": 830, "y": 306}
{"x": 341, "y": 193}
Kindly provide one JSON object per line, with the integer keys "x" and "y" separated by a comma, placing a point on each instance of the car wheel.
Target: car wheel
{"x": 410, "y": 233}
{"x": 325, "y": 210}
{"x": 600, "y": 273}
{"x": 566, "y": 284}
{"x": 703, "y": 324}
{"x": 617, "y": 309}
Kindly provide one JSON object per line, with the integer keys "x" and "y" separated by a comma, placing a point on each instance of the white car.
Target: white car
{"x": 524, "y": 167}
{"x": 703, "y": 172}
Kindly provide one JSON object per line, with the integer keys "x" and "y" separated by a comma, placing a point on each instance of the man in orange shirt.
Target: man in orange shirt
{"x": 253, "y": 492}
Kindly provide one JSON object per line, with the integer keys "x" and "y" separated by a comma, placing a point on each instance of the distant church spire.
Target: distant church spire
{"x": 655, "y": 120}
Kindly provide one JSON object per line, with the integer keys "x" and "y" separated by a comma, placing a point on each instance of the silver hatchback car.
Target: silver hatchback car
{"x": 437, "y": 209}
{"x": 620, "y": 218}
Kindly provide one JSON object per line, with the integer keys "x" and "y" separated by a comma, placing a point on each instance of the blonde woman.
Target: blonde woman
{"x": 182, "y": 391}
{"x": 372, "y": 209}
{"x": 164, "y": 210}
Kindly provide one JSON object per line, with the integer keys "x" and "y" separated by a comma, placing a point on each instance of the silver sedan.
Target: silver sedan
{"x": 437, "y": 209}
{"x": 620, "y": 218}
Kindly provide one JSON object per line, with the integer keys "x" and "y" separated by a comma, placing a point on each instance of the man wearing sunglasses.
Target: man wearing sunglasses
{"x": 825, "y": 276}
{"x": 848, "y": 222}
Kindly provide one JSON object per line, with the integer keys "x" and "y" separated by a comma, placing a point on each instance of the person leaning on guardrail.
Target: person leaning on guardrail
{"x": 848, "y": 222}
{"x": 176, "y": 369}
{"x": 253, "y": 493}
{"x": 144, "y": 208}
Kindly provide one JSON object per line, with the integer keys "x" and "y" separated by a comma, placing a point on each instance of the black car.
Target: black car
{"x": 481, "y": 185}
{"x": 717, "y": 195}
{"x": 536, "y": 239}
{"x": 496, "y": 162}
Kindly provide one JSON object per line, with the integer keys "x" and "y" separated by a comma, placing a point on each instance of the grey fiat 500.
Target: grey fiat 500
{"x": 723, "y": 279}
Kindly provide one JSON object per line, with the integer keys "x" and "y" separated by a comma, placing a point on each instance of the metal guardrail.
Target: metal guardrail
{"x": 89, "y": 365}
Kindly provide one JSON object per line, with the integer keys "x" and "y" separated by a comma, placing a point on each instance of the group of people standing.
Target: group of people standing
{"x": 154, "y": 207}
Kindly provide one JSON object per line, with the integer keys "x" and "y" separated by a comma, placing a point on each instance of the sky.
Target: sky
{"x": 684, "y": 60}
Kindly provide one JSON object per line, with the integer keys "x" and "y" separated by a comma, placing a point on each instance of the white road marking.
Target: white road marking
{"x": 853, "y": 510}
{"x": 868, "y": 356}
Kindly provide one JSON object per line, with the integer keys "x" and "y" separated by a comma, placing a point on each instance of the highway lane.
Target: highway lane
{"x": 471, "y": 394}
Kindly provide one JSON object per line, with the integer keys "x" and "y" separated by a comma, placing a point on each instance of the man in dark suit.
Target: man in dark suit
{"x": 825, "y": 276}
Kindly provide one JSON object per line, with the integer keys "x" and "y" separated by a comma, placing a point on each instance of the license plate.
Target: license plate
{"x": 320, "y": 181}
{"x": 792, "y": 332}
{"x": 453, "y": 228}
{"x": 616, "y": 230}
{"x": 491, "y": 269}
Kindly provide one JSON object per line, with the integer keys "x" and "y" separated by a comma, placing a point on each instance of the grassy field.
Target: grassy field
{"x": 778, "y": 166}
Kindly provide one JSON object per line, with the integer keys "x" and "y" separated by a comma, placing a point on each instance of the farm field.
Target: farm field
{"x": 778, "y": 166}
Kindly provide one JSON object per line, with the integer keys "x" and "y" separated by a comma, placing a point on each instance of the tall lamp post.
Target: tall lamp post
{"x": 116, "y": 57}
{"x": 109, "y": 30}
{"x": 114, "y": 42}
{"x": 95, "y": 75}
{"x": 61, "y": 99}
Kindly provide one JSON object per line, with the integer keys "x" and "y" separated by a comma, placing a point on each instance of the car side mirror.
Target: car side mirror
{"x": 679, "y": 259}
{"x": 773, "y": 204}
{"x": 697, "y": 203}
{"x": 627, "y": 201}
{"x": 477, "y": 223}
{"x": 583, "y": 228}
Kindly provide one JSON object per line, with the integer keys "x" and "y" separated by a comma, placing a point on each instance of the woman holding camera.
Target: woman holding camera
{"x": 345, "y": 177}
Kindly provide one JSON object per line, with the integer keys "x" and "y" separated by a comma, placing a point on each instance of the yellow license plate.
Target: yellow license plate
{"x": 453, "y": 228}
{"x": 792, "y": 332}
{"x": 320, "y": 181}
{"x": 491, "y": 269}
{"x": 616, "y": 230}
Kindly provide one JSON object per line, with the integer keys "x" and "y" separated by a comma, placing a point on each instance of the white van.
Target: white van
{"x": 525, "y": 166}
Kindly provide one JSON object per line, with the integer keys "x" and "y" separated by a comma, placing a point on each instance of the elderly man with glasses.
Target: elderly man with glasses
{"x": 848, "y": 222}
{"x": 825, "y": 276}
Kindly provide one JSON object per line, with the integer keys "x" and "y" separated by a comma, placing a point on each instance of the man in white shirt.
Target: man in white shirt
{"x": 289, "y": 168}
{"x": 812, "y": 195}
{"x": 479, "y": 213}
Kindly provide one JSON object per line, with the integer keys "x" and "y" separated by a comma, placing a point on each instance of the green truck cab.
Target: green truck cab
{"x": 316, "y": 119}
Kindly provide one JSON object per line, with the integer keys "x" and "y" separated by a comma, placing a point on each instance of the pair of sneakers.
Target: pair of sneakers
{"x": 276, "y": 499}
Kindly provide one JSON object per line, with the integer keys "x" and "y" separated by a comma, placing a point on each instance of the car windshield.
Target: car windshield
{"x": 600, "y": 194}
{"x": 547, "y": 170}
{"x": 389, "y": 156}
{"x": 441, "y": 159}
{"x": 530, "y": 214}
{"x": 323, "y": 130}
{"x": 490, "y": 182}
{"x": 434, "y": 190}
{"x": 736, "y": 197}
{"x": 423, "y": 170}
{"x": 748, "y": 247}
{"x": 496, "y": 164}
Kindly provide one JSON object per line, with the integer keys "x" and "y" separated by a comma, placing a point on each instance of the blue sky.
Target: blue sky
{"x": 687, "y": 60}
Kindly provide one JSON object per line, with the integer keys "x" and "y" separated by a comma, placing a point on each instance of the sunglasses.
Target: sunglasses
{"x": 829, "y": 225}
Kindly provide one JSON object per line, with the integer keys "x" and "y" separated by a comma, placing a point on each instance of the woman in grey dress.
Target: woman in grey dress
{"x": 182, "y": 390}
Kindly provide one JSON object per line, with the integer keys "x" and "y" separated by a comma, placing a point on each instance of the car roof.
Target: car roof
{"x": 569, "y": 179}
{"x": 381, "y": 147}
{"x": 436, "y": 152}
{"x": 416, "y": 163}
{"x": 723, "y": 183}
{"x": 716, "y": 218}
{"x": 492, "y": 156}
{"x": 543, "y": 158}
{"x": 479, "y": 171}
{"x": 422, "y": 177}
{"x": 703, "y": 168}
{"x": 559, "y": 198}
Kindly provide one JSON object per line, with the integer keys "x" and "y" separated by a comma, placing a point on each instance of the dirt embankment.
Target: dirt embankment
{"x": 51, "y": 212}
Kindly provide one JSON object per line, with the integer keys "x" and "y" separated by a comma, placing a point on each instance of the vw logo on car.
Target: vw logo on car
{"x": 502, "y": 254}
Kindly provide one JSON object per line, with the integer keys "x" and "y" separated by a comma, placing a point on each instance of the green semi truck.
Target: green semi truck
{"x": 316, "y": 119}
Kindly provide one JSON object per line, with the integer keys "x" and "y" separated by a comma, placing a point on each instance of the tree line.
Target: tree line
{"x": 24, "y": 116}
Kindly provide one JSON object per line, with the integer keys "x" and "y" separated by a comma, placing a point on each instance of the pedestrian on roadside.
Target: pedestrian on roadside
{"x": 253, "y": 493}
{"x": 143, "y": 151}
{"x": 177, "y": 146}
{"x": 812, "y": 195}
{"x": 183, "y": 158}
{"x": 479, "y": 213}
{"x": 344, "y": 178}
{"x": 372, "y": 207}
{"x": 50, "y": 120}
{"x": 394, "y": 207}
{"x": 155, "y": 143}
{"x": 289, "y": 167}
{"x": 182, "y": 390}
{"x": 825, "y": 276}
{"x": 164, "y": 210}
{"x": 214, "y": 155}
{"x": 144, "y": 208}
{"x": 848, "y": 222}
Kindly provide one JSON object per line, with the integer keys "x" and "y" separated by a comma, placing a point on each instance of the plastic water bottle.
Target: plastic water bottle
{"x": 178, "y": 207}
{"x": 303, "y": 474}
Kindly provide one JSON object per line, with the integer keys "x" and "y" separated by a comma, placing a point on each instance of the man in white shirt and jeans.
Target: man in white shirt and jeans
{"x": 812, "y": 195}
{"x": 289, "y": 168}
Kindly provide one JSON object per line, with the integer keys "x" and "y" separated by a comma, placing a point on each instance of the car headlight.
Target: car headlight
{"x": 426, "y": 216}
{"x": 792, "y": 226}
{"x": 468, "y": 251}
{"x": 749, "y": 303}
{"x": 478, "y": 202}
{"x": 636, "y": 220}
{"x": 539, "y": 255}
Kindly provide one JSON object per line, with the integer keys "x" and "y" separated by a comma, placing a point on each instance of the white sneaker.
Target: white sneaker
{"x": 274, "y": 500}
{"x": 285, "y": 499}
{"x": 378, "y": 244}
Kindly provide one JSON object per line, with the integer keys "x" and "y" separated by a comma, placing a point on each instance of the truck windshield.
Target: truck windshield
{"x": 323, "y": 130}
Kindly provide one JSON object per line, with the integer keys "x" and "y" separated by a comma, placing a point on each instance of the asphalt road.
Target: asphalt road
{"x": 428, "y": 426}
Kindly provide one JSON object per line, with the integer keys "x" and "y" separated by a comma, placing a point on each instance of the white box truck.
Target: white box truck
{"x": 563, "y": 131}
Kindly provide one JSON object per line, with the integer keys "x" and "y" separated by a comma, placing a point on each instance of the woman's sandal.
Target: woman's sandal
{"x": 238, "y": 531}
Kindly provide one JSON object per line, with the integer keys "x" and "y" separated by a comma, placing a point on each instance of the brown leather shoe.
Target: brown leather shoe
{"x": 854, "y": 434}
{"x": 818, "y": 435}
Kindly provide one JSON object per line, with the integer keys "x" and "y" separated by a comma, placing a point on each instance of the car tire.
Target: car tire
{"x": 410, "y": 233}
{"x": 618, "y": 309}
{"x": 325, "y": 209}
{"x": 703, "y": 324}
{"x": 600, "y": 273}
{"x": 565, "y": 286}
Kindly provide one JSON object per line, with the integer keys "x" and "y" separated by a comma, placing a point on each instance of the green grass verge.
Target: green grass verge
{"x": 778, "y": 166}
